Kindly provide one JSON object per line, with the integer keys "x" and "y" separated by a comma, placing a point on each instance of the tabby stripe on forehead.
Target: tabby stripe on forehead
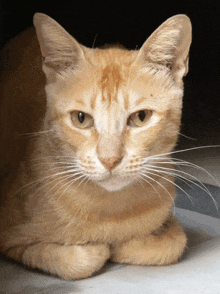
{"x": 110, "y": 82}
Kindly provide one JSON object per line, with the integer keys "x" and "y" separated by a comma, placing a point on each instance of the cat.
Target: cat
{"x": 87, "y": 186}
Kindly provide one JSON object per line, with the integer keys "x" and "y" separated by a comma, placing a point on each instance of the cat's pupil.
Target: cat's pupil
{"x": 141, "y": 115}
{"x": 81, "y": 117}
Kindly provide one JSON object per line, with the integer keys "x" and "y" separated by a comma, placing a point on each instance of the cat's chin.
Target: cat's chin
{"x": 112, "y": 184}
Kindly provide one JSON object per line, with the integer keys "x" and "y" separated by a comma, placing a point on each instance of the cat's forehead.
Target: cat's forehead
{"x": 111, "y": 79}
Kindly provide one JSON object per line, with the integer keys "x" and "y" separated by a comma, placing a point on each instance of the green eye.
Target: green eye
{"x": 81, "y": 119}
{"x": 139, "y": 118}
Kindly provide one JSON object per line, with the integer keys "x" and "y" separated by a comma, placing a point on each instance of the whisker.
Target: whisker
{"x": 179, "y": 171}
{"x": 85, "y": 177}
{"x": 44, "y": 178}
{"x": 190, "y": 164}
{"x": 177, "y": 161}
{"x": 36, "y": 133}
{"x": 73, "y": 159}
{"x": 69, "y": 184}
{"x": 64, "y": 168}
{"x": 184, "y": 150}
{"x": 63, "y": 178}
{"x": 158, "y": 183}
{"x": 141, "y": 174}
{"x": 147, "y": 169}
{"x": 184, "y": 178}
{"x": 86, "y": 181}
{"x": 187, "y": 137}
{"x": 139, "y": 181}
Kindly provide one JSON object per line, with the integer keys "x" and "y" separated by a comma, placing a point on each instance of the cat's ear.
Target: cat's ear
{"x": 169, "y": 46}
{"x": 59, "y": 49}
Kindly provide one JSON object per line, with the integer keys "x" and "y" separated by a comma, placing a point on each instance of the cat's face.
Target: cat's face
{"x": 113, "y": 113}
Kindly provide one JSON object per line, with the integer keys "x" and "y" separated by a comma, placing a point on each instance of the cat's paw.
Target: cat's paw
{"x": 68, "y": 262}
{"x": 90, "y": 258}
{"x": 161, "y": 248}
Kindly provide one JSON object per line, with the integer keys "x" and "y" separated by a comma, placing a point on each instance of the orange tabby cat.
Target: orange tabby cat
{"x": 88, "y": 187}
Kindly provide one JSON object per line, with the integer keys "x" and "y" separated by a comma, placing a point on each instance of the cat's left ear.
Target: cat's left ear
{"x": 59, "y": 49}
{"x": 169, "y": 46}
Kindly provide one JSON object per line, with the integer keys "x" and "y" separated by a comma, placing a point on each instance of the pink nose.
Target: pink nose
{"x": 110, "y": 162}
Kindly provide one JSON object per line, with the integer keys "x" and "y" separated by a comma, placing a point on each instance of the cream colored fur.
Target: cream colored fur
{"x": 77, "y": 196}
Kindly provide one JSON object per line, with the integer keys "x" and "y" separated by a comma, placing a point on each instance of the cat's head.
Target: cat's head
{"x": 111, "y": 109}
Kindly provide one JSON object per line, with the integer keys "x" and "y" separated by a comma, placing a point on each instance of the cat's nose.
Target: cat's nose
{"x": 110, "y": 162}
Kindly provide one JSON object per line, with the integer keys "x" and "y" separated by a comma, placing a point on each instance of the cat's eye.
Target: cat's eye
{"x": 81, "y": 119}
{"x": 139, "y": 118}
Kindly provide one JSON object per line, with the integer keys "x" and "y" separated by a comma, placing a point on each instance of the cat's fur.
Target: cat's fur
{"x": 82, "y": 196}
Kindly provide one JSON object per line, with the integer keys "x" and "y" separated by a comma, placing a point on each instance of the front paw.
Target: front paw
{"x": 161, "y": 248}
{"x": 68, "y": 262}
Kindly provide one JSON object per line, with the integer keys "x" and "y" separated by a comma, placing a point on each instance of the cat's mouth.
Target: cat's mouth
{"x": 113, "y": 182}
{"x": 107, "y": 177}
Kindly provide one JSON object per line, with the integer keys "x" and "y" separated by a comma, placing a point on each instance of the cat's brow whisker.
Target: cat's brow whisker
{"x": 187, "y": 137}
{"x": 93, "y": 44}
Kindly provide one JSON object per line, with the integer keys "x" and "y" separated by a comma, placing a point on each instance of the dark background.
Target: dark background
{"x": 130, "y": 23}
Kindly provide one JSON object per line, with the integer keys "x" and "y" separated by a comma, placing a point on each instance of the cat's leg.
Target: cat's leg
{"x": 163, "y": 247}
{"x": 68, "y": 262}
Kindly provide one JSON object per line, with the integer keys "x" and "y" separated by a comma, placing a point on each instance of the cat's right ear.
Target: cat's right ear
{"x": 59, "y": 49}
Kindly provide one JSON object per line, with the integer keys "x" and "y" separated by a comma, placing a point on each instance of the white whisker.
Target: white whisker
{"x": 158, "y": 183}
{"x": 190, "y": 164}
{"x": 139, "y": 181}
{"x": 184, "y": 150}
{"x": 180, "y": 176}
{"x": 184, "y": 178}
{"x": 45, "y": 178}
{"x": 36, "y": 133}
{"x": 69, "y": 184}
{"x": 159, "y": 175}
{"x": 63, "y": 178}
{"x": 141, "y": 174}
{"x": 187, "y": 137}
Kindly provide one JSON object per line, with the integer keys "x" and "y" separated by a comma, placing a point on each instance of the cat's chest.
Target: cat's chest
{"x": 117, "y": 229}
